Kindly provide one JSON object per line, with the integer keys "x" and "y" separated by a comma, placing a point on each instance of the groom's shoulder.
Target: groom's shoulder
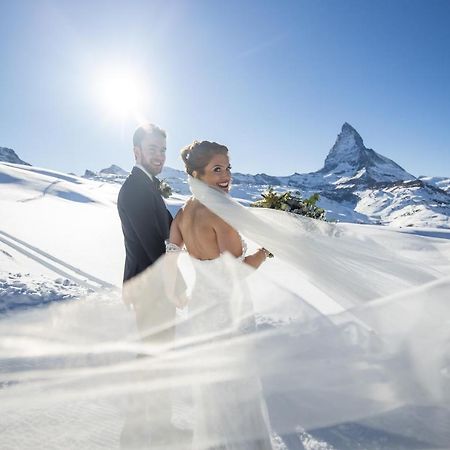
{"x": 133, "y": 180}
{"x": 134, "y": 185}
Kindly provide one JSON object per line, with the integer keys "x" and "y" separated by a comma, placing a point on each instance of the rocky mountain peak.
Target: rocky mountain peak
{"x": 350, "y": 159}
{"x": 114, "y": 170}
{"x": 9, "y": 155}
{"x": 347, "y": 150}
{"x": 348, "y": 130}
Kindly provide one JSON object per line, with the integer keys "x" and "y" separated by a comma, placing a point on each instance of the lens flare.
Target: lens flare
{"x": 120, "y": 92}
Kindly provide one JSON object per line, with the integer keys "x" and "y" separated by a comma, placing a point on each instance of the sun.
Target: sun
{"x": 121, "y": 92}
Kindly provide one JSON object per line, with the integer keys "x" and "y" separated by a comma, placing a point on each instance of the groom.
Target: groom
{"x": 146, "y": 224}
{"x": 143, "y": 213}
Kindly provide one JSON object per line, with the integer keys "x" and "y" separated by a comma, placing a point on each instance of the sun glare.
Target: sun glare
{"x": 121, "y": 93}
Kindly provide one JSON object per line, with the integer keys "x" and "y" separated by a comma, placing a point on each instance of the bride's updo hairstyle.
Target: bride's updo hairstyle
{"x": 197, "y": 155}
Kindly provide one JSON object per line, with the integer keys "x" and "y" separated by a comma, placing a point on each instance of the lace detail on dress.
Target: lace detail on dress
{"x": 172, "y": 248}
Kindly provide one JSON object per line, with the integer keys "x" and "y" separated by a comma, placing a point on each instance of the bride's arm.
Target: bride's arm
{"x": 174, "y": 283}
{"x": 175, "y": 236}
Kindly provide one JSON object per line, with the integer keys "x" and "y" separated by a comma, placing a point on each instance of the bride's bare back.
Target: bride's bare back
{"x": 204, "y": 234}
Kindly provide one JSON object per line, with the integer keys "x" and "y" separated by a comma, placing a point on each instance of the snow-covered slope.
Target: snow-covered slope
{"x": 42, "y": 214}
{"x": 60, "y": 235}
{"x": 439, "y": 182}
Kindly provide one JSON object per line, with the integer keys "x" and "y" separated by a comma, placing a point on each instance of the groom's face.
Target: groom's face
{"x": 151, "y": 154}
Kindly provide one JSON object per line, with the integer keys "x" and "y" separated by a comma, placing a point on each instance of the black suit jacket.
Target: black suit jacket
{"x": 145, "y": 222}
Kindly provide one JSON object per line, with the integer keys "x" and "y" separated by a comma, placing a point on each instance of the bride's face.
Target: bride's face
{"x": 217, "y": 172}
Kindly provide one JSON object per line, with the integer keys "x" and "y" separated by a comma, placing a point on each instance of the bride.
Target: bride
{"x": 319, "y": 369}
{"x": 205, "y": 235}
{"x": 229, "y": 411}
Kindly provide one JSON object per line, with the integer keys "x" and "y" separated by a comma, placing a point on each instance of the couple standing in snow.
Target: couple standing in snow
{"x": 149, "y": 232}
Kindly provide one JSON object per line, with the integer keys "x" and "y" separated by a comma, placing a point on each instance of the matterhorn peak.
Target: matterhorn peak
{"x": 346, "y": 131}
{"x": 350, "y": 159}
{"x": 346, "y": 150}
{"x": 346, "y": 127}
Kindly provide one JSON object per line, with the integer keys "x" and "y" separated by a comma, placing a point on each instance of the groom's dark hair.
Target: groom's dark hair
{"x": 144, "y": 130}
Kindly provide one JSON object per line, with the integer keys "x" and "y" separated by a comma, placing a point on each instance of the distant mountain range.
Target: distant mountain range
{"x": 356, "y": 184}
{"x": 110, "y": 172}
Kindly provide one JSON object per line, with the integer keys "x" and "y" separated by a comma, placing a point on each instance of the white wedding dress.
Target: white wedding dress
{"x": 230, "y": 413}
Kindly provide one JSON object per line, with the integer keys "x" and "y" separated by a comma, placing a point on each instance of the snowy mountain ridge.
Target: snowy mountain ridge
{"x": 442, "y": 183}
{"x": 114, "y": 170}
{"x": 356, "y": 184}
{"x": 348, "y": 162}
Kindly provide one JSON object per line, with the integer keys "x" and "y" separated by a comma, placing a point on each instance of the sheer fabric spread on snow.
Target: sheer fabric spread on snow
{"x": 347, "y": 323}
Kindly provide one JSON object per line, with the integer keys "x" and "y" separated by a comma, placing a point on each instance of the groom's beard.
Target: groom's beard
{"x": 152, "y": 170}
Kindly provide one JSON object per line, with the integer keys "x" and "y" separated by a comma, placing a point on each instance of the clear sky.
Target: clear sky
{"x": 272, "y": 80}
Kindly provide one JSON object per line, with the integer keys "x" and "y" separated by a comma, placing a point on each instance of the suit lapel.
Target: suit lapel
{"x": 143, "y": 177}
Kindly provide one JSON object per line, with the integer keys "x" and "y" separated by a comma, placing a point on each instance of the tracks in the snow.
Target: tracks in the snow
{"x": 56, "y": 265}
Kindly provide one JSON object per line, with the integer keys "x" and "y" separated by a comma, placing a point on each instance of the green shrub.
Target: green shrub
{"x": 291, "y": 202}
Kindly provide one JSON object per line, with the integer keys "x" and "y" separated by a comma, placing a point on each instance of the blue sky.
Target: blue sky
{"x": 272, "y": 80}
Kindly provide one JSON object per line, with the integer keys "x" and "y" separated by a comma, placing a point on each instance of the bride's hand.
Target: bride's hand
{"x": 266, "y": 252}
{"x": 258, "y": 258}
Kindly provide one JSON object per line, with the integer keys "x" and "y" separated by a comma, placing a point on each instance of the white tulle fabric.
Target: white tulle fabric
{"x": 386, "y": 350}
{"x": 347, "y": 324}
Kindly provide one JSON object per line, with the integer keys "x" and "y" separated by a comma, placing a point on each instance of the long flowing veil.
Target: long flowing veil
{"x": 347, "y": 324}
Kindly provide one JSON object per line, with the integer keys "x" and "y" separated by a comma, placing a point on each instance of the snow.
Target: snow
{"x": 61, "y": 240}
{"x": 57, "y": 227}
{"x": 439, "y": 182}
{"x": 403, "y": 206}
{"x": 22, "y": 290}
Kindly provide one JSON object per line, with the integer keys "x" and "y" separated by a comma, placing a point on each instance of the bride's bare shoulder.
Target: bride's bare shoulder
{"x": 185, "y": 208}
{"x": 194, "y": 208}
{"x": 192, "y": 205}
